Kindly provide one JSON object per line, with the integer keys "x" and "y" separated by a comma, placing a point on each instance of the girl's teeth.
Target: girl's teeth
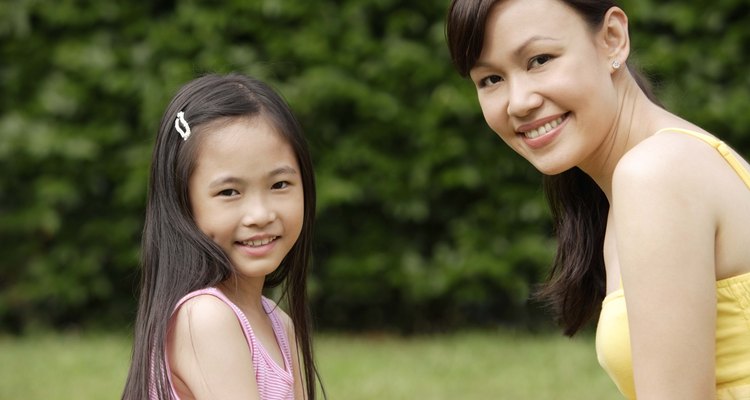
{"x": 260, "y": 242}
{"x": 535, "y": 133}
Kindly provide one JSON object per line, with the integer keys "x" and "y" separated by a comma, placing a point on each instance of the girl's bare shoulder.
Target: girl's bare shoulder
{"x": 205, "y": 321}
{"x": 206, "y": 310}
{"x": 208, "y": 350}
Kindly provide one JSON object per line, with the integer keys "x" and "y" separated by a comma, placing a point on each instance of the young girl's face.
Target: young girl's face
{"x": 246, "y": 193}
{"x": 543, "y": 82}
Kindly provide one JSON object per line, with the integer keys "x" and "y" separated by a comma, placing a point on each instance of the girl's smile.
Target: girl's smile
{"x": 258, "y": 247}
{"x": 258, "y": 242}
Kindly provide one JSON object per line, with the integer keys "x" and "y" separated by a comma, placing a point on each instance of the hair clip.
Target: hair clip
{"x": 182, "y": 126}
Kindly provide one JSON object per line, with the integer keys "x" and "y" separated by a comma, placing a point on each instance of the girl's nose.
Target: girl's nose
{"x": 258, "y": 212}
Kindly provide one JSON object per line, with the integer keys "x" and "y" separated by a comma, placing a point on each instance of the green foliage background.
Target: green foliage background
{"x": 426, "y": 220}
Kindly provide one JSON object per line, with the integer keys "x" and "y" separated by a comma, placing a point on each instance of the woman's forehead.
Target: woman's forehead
{"x": 513, "y": 25}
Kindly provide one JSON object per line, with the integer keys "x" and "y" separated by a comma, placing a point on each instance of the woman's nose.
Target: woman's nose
{"x": 522, "y": 99}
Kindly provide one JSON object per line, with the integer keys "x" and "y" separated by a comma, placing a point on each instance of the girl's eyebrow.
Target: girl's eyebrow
{"x": 286, "y": 169}
{"x": 224, "y": 180}
{"x": 228, "y": 179}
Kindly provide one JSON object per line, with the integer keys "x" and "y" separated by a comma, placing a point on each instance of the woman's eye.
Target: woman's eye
{"x": 280, "y": 185}
{"x": 490, "y": 80}
{"x": 228, "y": 192}
{"x": 538, "y": 61}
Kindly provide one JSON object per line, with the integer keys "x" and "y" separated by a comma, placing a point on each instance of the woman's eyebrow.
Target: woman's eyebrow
{"x": 529, "y": 41}
{"x": 518, "y": 51}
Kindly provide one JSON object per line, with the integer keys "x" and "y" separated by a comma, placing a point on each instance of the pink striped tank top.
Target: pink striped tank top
{"x": 274, "y": 382}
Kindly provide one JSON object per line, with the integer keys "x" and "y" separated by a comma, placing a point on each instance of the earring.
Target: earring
{"x": 616, "y": 64}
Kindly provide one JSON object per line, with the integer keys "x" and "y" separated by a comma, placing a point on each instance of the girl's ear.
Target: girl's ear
{"x": 614, "y": 36}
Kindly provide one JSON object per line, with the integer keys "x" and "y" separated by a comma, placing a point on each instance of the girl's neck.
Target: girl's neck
{"x": 246, "y": 294}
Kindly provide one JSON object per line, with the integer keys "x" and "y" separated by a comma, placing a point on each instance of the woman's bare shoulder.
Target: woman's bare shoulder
{"x": 669, "y": 160}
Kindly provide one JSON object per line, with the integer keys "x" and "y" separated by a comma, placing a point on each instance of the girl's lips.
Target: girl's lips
{"x": 258, "y": 241}
{"x": 258, "y": 247}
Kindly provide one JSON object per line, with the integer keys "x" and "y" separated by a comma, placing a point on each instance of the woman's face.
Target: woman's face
{"x": 544, "y": 83}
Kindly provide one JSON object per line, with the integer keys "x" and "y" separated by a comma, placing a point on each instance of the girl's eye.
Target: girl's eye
{"x": 490, "y": 80}
{"x": 280, "y": 185}
{"x": 538, "y": 61}
{"x": 228, "y": 192}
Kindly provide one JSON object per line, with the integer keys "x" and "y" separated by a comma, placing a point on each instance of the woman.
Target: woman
{"x": 649, "y": 209}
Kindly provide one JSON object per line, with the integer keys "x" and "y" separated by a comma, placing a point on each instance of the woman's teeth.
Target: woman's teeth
{"x": 259, "y": 242}
{"x": 535, "y": 133}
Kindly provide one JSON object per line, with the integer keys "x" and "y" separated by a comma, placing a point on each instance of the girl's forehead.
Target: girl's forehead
{"x": 243, "y": 143}
{"x": 249, "y": 133}
{"x": 220, "y": 123}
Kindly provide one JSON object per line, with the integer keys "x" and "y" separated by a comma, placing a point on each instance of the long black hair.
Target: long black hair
{"x": 177, "y": 258}
{"x": 577, "y": 281}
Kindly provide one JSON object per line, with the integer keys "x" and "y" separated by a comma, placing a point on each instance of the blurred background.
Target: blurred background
{"x": 426, "y": 224}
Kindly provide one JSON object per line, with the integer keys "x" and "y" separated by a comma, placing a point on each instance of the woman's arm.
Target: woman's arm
{"x": 208, "y": 352}
{"x": 665, "y": 232}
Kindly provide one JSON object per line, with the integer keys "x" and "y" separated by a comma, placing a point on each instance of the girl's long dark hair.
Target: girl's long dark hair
{"x": 177, "y": 258}
{"x": 577, "y": 282}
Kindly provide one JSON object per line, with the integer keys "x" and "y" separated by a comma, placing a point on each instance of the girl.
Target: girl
{"x": 230, "y": 212}
{"x": 649, "y": 209}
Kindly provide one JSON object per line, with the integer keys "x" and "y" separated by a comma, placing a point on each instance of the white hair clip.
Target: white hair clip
{"x": 182, "y": 126}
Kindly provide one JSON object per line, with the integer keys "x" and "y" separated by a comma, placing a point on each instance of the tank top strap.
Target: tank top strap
{"x": 279, "y": 331}
{"x": 722, "y": 148}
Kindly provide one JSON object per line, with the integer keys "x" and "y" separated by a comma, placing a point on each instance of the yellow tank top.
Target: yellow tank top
{"x": 732, "y": 322}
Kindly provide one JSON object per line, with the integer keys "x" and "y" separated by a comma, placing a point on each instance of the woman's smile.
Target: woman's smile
{"x": 543, "y": 132}
{"x": 541, "y": 127}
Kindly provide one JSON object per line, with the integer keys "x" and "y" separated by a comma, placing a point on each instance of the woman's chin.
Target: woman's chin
{"x": 550, "y": 168}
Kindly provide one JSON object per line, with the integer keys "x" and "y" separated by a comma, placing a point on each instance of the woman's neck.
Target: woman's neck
{"x": 637, "y": 118}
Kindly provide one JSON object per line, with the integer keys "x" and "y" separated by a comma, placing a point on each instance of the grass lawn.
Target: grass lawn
{"x": 469, "y": 365}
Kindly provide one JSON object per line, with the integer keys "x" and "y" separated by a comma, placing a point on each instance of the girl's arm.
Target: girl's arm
{"x": 208, "y": 353}
{"x": 665, "y": 235}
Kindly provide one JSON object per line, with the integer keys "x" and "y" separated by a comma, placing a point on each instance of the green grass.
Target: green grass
{"x": 470, "y": 365}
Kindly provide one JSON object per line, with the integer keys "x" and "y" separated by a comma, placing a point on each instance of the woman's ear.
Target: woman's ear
{"x": 614, "y": 36}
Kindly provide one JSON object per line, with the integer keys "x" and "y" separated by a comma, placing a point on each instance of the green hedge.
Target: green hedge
{"x": 426, "y": 220}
